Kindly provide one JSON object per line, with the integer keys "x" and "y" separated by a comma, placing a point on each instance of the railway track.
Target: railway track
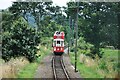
{"x": 59, "y": 71}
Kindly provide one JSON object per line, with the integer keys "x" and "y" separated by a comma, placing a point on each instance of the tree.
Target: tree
{"x": 18, "y": 40}
{"x": 96, "y": 23}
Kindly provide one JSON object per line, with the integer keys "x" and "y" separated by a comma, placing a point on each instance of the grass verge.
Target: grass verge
{"x": 105, "y": 67}
{"x": 85, "y": 71}
{"x": 29, "y": 70}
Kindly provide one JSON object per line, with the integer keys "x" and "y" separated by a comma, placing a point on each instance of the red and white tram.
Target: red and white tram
{"x": 58, "y": 43}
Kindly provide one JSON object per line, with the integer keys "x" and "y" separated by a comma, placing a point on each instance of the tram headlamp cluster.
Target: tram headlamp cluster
{"x": 58, "y": 49}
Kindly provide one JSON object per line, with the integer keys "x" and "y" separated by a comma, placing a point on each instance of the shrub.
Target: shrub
{"x": 94, "y": 52}
{"x": 20, "y": 40}
{"x": 82, "y": 44}
{"x": 87, "y": 48}
{"x": 46, "y": 41}
{"x": 103, "y": 65}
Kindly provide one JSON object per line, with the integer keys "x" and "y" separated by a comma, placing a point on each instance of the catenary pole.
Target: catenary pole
{"x": 76, "y": 37}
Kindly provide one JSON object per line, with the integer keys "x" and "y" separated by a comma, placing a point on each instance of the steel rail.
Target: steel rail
{"x": 53, "y": 67}
{"x": 63, "y": 68}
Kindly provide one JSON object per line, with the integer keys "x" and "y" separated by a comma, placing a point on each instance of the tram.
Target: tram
{"x": 58, "y": 43}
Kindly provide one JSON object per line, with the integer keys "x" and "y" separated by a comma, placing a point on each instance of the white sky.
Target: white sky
{"x": 6, "y": 3}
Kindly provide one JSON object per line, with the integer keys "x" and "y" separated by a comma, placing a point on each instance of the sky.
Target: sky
{"x": 7, "y": 3}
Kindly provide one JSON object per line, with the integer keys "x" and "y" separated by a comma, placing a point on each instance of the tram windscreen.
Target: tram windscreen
{"x": 58, "y": 42}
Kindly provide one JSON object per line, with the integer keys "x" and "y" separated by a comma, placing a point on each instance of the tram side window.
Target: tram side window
{"x": 61, "y": 43}
{"x": 54, "y": 43}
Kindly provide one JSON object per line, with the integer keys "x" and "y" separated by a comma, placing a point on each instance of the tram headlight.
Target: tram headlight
{"x": 54, "y": 49}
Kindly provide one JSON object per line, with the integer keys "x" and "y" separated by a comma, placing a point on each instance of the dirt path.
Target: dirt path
{"x": 45, "y": 68}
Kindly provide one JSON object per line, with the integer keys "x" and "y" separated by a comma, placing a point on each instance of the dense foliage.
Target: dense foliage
{"x": 20, "y": 40}
{"x": 97, "y": 23}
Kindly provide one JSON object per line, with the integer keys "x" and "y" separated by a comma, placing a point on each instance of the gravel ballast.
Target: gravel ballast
{"x": 69, "y": 67}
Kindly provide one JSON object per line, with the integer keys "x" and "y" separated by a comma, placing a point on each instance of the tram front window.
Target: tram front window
{"x": 58, "y": 42}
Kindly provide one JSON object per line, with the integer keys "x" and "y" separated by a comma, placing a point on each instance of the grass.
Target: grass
{"x": 85, "y": 72}
{"x": 104, "y": 67}
{"x": 11, "y": 68}
{"x": 29, "y": 70}
{"x": 20, "y": 67}
{"x": 111, "y": 54}
{"x": 1, "y": 61}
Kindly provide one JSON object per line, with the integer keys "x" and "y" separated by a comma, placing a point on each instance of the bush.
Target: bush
{"x": 20, "y": 40}
{"x": 46, "y": 41}
{"x": 82, "y": 44}
{"x": 95, "y": 52}
{"x": 88, "y": 49}
{"x": 103, "y": 65}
